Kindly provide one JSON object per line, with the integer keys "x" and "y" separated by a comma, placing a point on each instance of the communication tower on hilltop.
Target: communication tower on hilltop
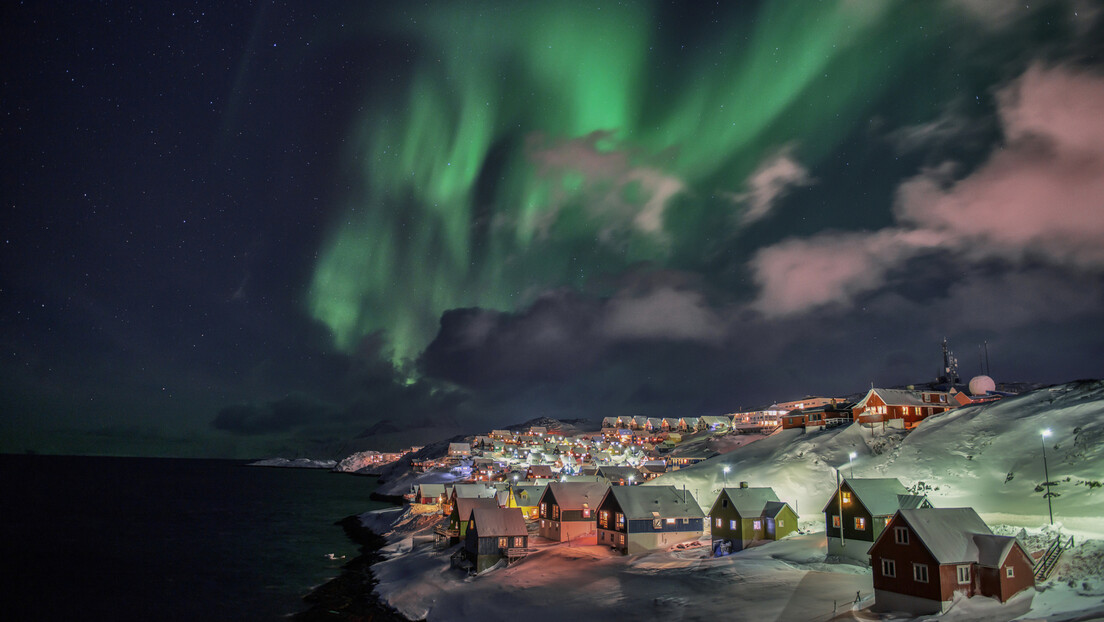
{"x": 950, "y": 366}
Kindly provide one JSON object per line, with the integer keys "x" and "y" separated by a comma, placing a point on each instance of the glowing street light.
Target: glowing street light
{"x": 726, "y": 469}
{"x": 631, "y": 478}
{"x": 851, "y": 463}
{"x": 1046, "y": 473}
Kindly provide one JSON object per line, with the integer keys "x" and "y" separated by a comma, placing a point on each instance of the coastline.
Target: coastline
{"x": 351, "y": 595}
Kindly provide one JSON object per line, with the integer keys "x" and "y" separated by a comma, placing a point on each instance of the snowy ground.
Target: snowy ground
{"x": 790, "y": 580}
{"x": 987, "y": 457}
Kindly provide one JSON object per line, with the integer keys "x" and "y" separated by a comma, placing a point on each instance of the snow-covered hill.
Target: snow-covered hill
{"x": 989, "y": 457}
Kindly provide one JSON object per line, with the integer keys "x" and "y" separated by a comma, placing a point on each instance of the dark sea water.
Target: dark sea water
{"x": 88, "y": 538}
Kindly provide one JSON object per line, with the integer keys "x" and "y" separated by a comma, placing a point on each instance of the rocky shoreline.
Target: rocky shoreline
{"x": 351, "y": 595}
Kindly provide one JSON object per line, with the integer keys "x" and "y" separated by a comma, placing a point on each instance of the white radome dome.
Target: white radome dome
{"x": 980, "y": 385}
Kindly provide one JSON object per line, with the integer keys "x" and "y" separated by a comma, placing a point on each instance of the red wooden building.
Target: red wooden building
{"x": 906, "y": 408}
{"x": 926, "y": 556}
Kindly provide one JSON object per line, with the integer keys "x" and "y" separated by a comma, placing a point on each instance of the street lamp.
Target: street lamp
{"x": 1046, "y": 473}
{"x": 726, "y": 469}
{"x": 851, "y": 463}
{"x": 631, "y": 478}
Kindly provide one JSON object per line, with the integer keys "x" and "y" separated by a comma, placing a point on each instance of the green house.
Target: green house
{"x": 741, "y": 517}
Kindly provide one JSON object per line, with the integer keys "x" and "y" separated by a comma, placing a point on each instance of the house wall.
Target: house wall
{"x": 942, "y": 580}
{"x": 562, "y": 531}
{"x": 1023, "y": 570}
{"x": 886, "y": 601}
{"x": 789, "y": 524}
{"x": 851, "y": 511}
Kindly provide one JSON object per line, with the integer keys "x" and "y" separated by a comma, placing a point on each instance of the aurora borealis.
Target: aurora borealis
{"x": 280, "y": 227}
{"x": 542, "y": 143}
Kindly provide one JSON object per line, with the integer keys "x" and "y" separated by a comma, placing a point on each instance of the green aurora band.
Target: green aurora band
{"x": 538, "y": 146}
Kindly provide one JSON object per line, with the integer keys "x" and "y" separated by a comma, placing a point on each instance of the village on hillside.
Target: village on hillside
{"x": 548, "y": 489}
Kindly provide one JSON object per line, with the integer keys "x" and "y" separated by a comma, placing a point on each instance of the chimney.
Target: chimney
{"x": 743, "y": 484}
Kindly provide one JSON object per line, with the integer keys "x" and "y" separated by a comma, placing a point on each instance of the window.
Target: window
{"x": 836, "y": 521}
{"x": 518, "y": 542}
{"x": 920, "y": 573}
{"x": 846, "y": 496}
{"x": 586, "y": 512}
{"x": 555, "y": 512}
{"x": 502, "y": 543}
{"x": 860, "y": 523}
{"x": 670, "y": 521}
{"x": 620, "y": 520}
{"x": 781, "y": 523}
{"x": 889, "y": 568}
{"x": 719, "y": 522}
{"x": 756, "y": 525}
{"x": 603, "y": 519}
{"x": 724, "y": 503}
{"x": 732, "y": 524}
{"x": 1010, "y": 572}
{"x": 544, "y": 509}
{"x": 901, "y": 535}
{"x": 963, "y": 574}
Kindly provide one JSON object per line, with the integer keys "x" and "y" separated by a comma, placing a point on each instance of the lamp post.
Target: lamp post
{"x": 1046, "y": 473}
{"x": 851, "y": 463}
{"x": 726, "y": 469}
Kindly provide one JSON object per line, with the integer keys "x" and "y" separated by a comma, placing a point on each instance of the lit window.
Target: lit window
{"x": 732, "y": 524}
{"x": 860, "y": 523}
{"x": 544, "y": 509}
{"x": 756, "y": 525}
{"x": 719, "y": 522}
{"x": 836, "y": 521}
{"x": 670, "y": 521}
{"x": 901, "y": 535}
{"x": 889, "y": 568}
{"x": 1010, "y": 572}
{"x": 586, "y": 512}
{"x": 620, "y": 519}
{"x": 920, "y": 573}
{"x": 964, "y": 574}
{"x": 846, "y": 497}
{"x": 518, "y": 543}
{"x": 603, "y": 519}
{"x": 502, "y": 543}
{"x": 781, "y": 523}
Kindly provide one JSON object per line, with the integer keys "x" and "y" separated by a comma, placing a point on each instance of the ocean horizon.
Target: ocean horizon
{"x": 105, "y": 538}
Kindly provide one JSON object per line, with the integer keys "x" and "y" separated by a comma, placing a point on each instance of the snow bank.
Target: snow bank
{"x": 298, "y": 463}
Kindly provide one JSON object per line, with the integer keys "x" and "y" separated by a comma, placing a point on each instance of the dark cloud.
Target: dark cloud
{"x": 281, "y": 415}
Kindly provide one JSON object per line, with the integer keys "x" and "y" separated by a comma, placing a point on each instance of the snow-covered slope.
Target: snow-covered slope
{"x": 989, "y": 457}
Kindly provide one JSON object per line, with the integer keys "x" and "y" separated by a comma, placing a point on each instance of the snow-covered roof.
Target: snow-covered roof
{"x": 898, "y": 397}
{"x": 572, "y": 495}
{"x": 749, "y": 501}
{"x": 645, "y": 501}
{"x": 947, "y": 533}
{"x": 527, "y": 495}
{"x": 431, "y": 490}
{"x": 880, "y": 495}
{"x": 709, "y": 419}
{"x": 992, "y": 549}
{"x": 473, "y": 490}
{"x": 773, "y": 508}
{"x": 492, "y": 522}
{"x": 465, "y": 505}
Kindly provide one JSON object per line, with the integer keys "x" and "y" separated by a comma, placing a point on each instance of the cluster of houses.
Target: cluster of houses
{"x": 543, "y": 483}
{"x": 920, "y": 556}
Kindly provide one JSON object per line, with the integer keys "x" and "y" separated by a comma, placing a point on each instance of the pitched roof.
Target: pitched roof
{"x": 750, "y": 501}
{"x": 992, "y": 549}
{"x": 473, "y": 490}
{"x": 878, "y": 494}
{"x": 431, "y": 490}
{"x": 773, "y": 508}
{"x": 492, "y": 522}
{"x": 947, "y": 532}
{"x": 900, "y": 397}
{"x": 465, "y": 505}
{"x": 527, "y": 495}
{"x": 572, "y": 495}
{"x": 643, "y": 501}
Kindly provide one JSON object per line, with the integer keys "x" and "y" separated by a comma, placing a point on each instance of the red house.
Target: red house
{"x": 903, "y": 407}
{"x": 926, "y": 556}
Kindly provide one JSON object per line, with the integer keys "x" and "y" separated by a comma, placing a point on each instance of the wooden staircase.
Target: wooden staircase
{"x": 1050, "y": 558}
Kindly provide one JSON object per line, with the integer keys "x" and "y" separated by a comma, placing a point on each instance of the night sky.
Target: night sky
{"x": 251, "y": 229}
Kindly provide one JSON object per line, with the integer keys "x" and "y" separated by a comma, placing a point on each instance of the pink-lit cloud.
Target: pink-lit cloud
{"x": 770, "y": 182}
{"x": 1039, "y": 197}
